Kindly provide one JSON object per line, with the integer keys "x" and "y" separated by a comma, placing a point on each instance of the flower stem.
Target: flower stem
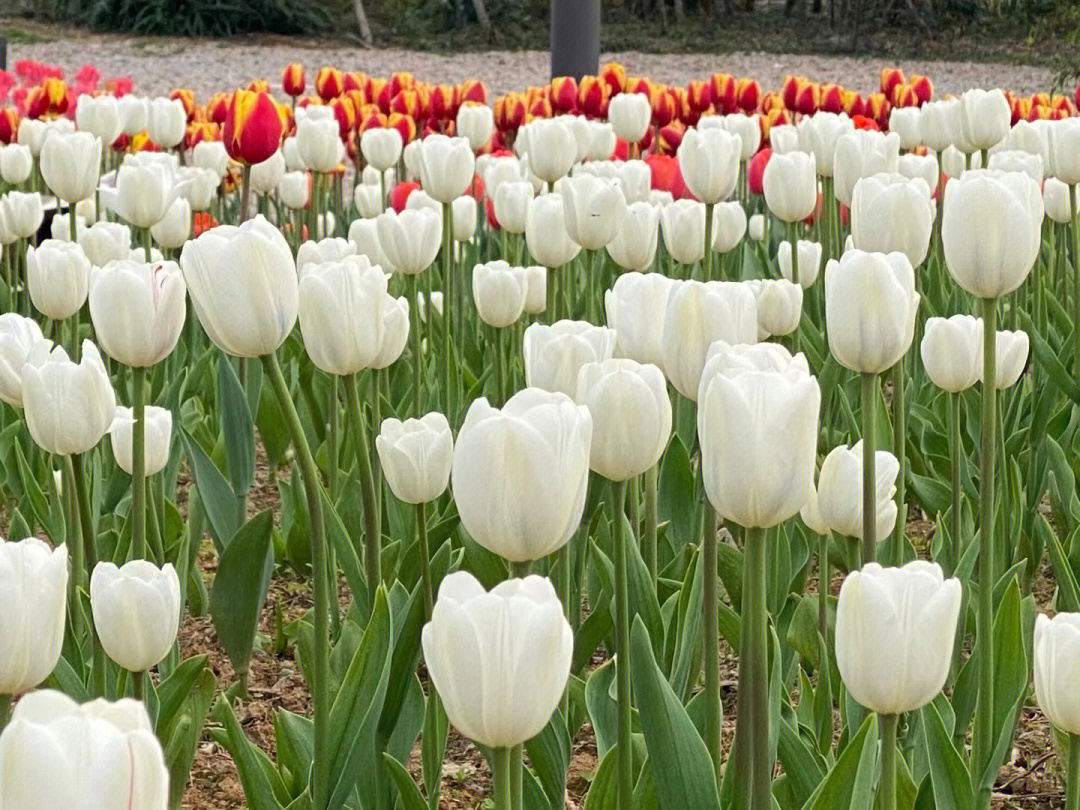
{"x": 900, "y": 451}
{"x": 414, "y": 339}
{"x": 1072, "y": 796}
{"x": 622, "y": 646}
{"x": 651, "y": 487}
{"x": 320, "y": 691}
{"x": 138, "y": 463}
{"x": 425, "y": 560}
{"x": 708, "y": 242}
{"x": 1076, "y": 276}
{"x": 5, "y": 710}
{"x": 245, "y": 195}
{"x": 500, "y": 777}
{"x": 372, "y": 547}
{"x": 82, "y": 500}
{"x": 823, "y": 587}
{"x": 713, "y": 709}
{"x": 954, "y": 472}
{"x": 500, "y": 367}
{"x": 448, "y": 302}
{"x": 984, "y": 706}
{"x": 138, "y": 686}
{"x": 754, "y": 669}
{"x": 517, "y": 772}
{"x": 869, "y": 477}
{"x": 887, "y": 785}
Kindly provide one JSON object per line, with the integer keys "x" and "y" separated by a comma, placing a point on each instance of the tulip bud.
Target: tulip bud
{"x": 243, "y": 286}
{"x": 699, "y": 314}
{"x": 464, "y": 218}
{"x": 395, "y": 331}
{"x": 134, "y": 114}
{"x": 629, "y": 114}
{"x": 709, "y": 162}
{"x": 634, "y": 246}
{"x": 1057, "y": 647}
{"x": 319, "y": 145}
{"x": 475, "y": 123}
{"x": 779, "y": 306}
{"x": 895, "y": 629}
{"x": 891, "y": 213}
{"x": 783, "y": 138}
{"x": 57, "y": 275}
{"x": 1011, "y": 354}
{"x": 870, "y": 307}
{"x": 71, "y": 165}
{"x": 496, "y": 693}
{"x": 1056, "y": 199}
{"x": 499, "y": 291}
{"x": 1027, "y": 137}
{"x": 818, "y": 135}
{"x": 32, "y": 602}
{"x": 840, "y": 492}
{"x": 756, "y": 227}
{"x": 253, "y": 127}
{"x": 143, "y": 193}
{"x": 593, "y": 208}
{"x": 68, "y": 406}
{"x": 951, "y": 352}
{"x": 21, "y": 213}
{"x": 323, "y": 251}
{"x": 293, "y": 80}
{"x": 809, "y": 262}
{"x": 60, "y": 227}
{"x": 546, "y": 234}
{"x": 211, "y": 155}
{"x": 991, "y": 231}
{"x": 984, "y": 117}
{"x": 167, "y": 122}
{"x": 99, "y": 115}
{"x": 16, "y": 162}
{"x": 416, "y": 456}
{"x": 138, "y": 310}
{"x": 410, "y": 239}
{"x": 381, "y": 147}
{"x": 924, "y": 167}
{"x": 511, "y": 203}
{"x": 790, "y": 185}
{"x": 862, "y": 153}
{"x": 551, "y": 147}
{"x": 517, "y": 519}
{"x": 554, "y": 353}
{"x": 535, "y": 289}
{"x": 368, "y": 200}
{"x": 631, "y": 416}
{"x": 136, "y": 611}
{"x": 683, "y": 225}
{"x": 750, "y": 396}
{"x": 729, "y": 226}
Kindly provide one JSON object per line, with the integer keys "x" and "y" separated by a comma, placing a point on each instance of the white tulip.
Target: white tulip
{"x": 634, "y": 246}
{"x": 862, "y": 153}
{"x": 58, "y": 275}
{"x": 546, "y": 235}
{"x": 136, "y": 611}
{"x": 951, "y": 352}
{"x": 790, "y": 186}
{"x": 636, "y": 307}
{"x": 555, "y": 353}
{"x": 381, "y": 147}
{"x": 729, "y": 226}
{"x": 1057, "y": 662}
{"x": 416, "y": 456}
{"x": 709, "y": 161}
{"x": 808, "y": 256}
{"x": 410, "y": 240}
{"x": 892, "y": 213}
{"x": 167, "y": 122}
{"x": 629, "y": 114}
{"x": 32, "y": 615}
{"x": 68, "y": 406}
{"x": 16, "y": 163}
{"x": 99, "y": 115}
{"x": 840, "y": 491}
{"x": 500, "y": 292}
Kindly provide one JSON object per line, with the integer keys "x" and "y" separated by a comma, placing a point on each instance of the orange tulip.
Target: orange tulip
{"x": 774, "y": 117}
{"x": 772, "y": 101}
{"x": 640, "y": 85}
{"x": 593, "y": 95}
{"x": 473, "y": 90}
{"x": 9, "y": 124}
{"x": 832, "y": 98}
{"x": 329, "y": 83}
{"x": 614, "y": 76}
{"x": 142, "y": 142}
{"x": 540, "y": 107}
{"x": 853, "y": 103}
{"x": 293, "y": 79}
{"x": 890, "y": 77}
{"x": 1021, "y": 109}
{"x": 253, "y": 127}
{"x": 357, "y": 98}
{"x": 57, "y": 92}
{"x": 1063, "y": 105}
{"x": 724, "y": 92}
{"x": 407, "y": 102}
{"x": 564, "y": 94}
{"x": 401, "y": 80}
{"x": 749, "y": 95}
{"x": 369, "y": 117}
{"x": 877, "y": 107}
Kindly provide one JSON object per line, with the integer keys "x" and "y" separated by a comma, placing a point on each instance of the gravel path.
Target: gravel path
{"x": 160, "y": 64}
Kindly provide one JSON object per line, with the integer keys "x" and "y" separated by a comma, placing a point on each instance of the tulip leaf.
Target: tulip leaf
{"x": 257, "y": 774}
{"x": 948, "y": 773}
{"x": 411, "y": 798}
{"x": 217, "y": 496}
{"x": 604, "y": 791}
{"x": 686, "y": 662}
{"x": 410, "y": 719}
{"x": 1048, "y": 359}
{"x": 549, "y": 754}
{"x": 678, "y": 503}
{"x": 433, "y": 743}
{"x": 295, "y": 738}
{"x": 338, "y": 538}
{"x": 602, "y": 708}
{"x": 237, "y": 426}
{"x": 643, "y": 601}
{"x": 682, "y": 766}
{"x": 1068, "y": 593}
{"x": 850, "y": 783}
{"x": 239, "y": 591}
{"x": 180, "y": 736}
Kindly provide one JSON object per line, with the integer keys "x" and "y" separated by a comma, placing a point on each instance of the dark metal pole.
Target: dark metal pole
{"x": 3, "y": 53}
{"x": 575, "y": 38}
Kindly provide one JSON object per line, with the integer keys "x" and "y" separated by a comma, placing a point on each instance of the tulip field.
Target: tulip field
{"x": 608, "y": 445}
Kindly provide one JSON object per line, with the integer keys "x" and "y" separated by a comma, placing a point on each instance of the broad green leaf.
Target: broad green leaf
{"x": 850, "y": 783}
{"x": 948, "y": 773}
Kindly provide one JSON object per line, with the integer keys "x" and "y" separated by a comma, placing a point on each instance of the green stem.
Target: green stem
{"x": 334, "y": 436}
{"x": 320, "y": 691}
{"x": 651, "y": 490}
{"x": 425, "y": 560}
{"x": 984, "y": 706}
{"x": 1072, "y": 796}
{"x": 708, "y": 242}
{"x": 414, "y": 339}
{"x": 86, "y": 522}
{"x": 372, "y": 548}
{"x": 887, "y": 785}
{"x": 900, "y": 451}
{"x": 138, "y": 463}
{"x": 517, "y": 772}
{"x": 500, "y": 778}
{"x": 710, "y": 630}
{"x": 823, "y": 586}
{"x": 138, "y": 686}
{"x": 5, "y": 710}
{"x": 622, "y": 646}
{"x": 245, "y": 194}
{"x": 500, "y": 367}
{"x": 869, "y": 477}
{"x": 755, "y": 662}
{"x": 1076, "y": 275}
{"x": 954, "y": 473}
{"x": 448, "y": 303}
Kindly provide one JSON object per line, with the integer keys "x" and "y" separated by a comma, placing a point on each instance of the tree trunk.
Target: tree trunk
{"x": 679, "y": 12}
{"x": 362, "y": 22}
{"x": 482, "y": 15}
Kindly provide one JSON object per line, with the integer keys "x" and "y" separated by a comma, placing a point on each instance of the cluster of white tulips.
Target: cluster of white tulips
{"x": 534, "y": 410}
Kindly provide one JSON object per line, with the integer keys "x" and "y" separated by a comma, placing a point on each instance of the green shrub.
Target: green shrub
{"x": 199, "y": 17}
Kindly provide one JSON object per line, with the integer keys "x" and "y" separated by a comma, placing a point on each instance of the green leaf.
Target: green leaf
{"x": 850, "y": 784}
{"x": 411, "y": 798}
{"x": 678, "y": 493}
{"x": 252, "y": 765}
{"x": 948, "y": 774}
{"x": 604, "y": 791}
{"x": 237, "y": 427}
{"x": 602, "y": 708}
{"x": 239, "y": 591}
{"x": 220, "y": 502}
{"x": 682, "y": 766}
